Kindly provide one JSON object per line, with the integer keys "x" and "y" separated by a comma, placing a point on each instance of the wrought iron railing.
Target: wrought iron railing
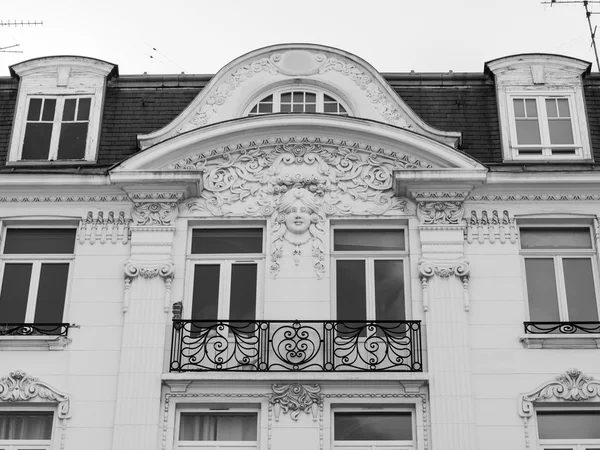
{"x": 561, "y": 327}
{"x": 307, "y": 345}
{"x": 34, "y": 329}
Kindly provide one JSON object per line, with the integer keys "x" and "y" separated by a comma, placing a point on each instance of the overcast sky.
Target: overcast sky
{"x": 202, "y": 36}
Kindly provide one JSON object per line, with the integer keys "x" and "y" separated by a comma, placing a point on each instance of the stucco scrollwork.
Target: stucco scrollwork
{"x": 21, "y": 387}
{"x": 444, "y": 269}
{"x": 154, "y": 213}
{"x": 440, "y": 212}
{"x": 318, "y": 177}
{"x": 296, "y": 398}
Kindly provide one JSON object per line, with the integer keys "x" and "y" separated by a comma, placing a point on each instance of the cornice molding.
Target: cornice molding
{"x": 66, "y": 199}
{"x": 444, "y": 269}
{"x": 533, "y": 197}
{"x": 20, "y": 387}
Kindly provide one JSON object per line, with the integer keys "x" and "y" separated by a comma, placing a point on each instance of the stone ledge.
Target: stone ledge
{"x": 24, "y": 343}
{"x": 558, "y": 341}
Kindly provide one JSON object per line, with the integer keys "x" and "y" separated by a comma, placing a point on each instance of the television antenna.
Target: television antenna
{"x": 16, "y": 23}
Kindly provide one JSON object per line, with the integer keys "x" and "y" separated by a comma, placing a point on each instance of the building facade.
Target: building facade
{"x": 300, "y": 252}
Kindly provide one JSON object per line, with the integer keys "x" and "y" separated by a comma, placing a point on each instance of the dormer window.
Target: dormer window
{"x": 541, "y": 108}
{"x": 59, "y": 110}
{"x": 298, "y": 101}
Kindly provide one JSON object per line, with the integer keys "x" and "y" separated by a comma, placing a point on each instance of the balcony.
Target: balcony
{"x": 292, "y": 346}
{"x": 34, "y": 329}
{"x": 562, "y": 327}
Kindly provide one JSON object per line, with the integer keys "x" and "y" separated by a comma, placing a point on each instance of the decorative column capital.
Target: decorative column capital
{"x": 149, "y": 269}
{"x": 444, "y": 269}
{"x": 155, "y": 208}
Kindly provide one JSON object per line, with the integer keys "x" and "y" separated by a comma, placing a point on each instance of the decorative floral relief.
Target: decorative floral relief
{"x": 323, "y": 177}
{"x": 154, "y": 213}
{"x": 496, "y": 228}
{"x": 435, "y": 213}
{"x": 295, "y": 398}
{"x": 104, "y": 230}
{"x": 20, "y": 387}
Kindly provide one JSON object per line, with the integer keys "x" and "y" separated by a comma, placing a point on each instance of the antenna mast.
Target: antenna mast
{"x": 15, "y": 23}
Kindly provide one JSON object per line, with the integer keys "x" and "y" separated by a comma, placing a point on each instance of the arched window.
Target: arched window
{"x": 298, "y": 101}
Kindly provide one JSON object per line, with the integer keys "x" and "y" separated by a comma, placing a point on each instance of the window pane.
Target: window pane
{"x": 218, "y": 427}
{"x": 551, "y": 108}
{"x": 541, "y": 290}
{"x": 227, "y": 240}
{"x": 242, "y": 303}
{"x": 265, "y": 108}
{"x": 298, "y": 97}
{"x": 35, "y": 240}
{"x": 49, "y": 107}
{"x": 555, "y": 238}
{"x": 579, "y": 283}
{"x": 36, "y": 144}
{"x": 35, "y": 108}
{"x": 71, "y": 144}
{"x": 368, "y": 240}
{"x": 83, "y": 113}
{"x": 26, "y": 425}
{"x": 51, "y": 293}
{"x": 519, "y": 105}
{"x": 389, "y": 290}
{"x": 286, "y": 98}
{"x": 311, "y": 97}
{"x": 531, "y": 107}
{"x": 69, "y": 109}
{"x": 298, "y": 108}
{"x": 569, "y": 424}
{"x": 310, "y": 107}
{"x": 351, "y": 291}
{"x": 286, "y": 107}
{"x": 373, "y": 426}
{"x": 563, "y": 107}
{"x": 330, "y": 108}
{"x": 15, "y": 289}
{"x": 561, "y": 132}
{"x": 205, "y": 296}
{"x": 528, "y": 132}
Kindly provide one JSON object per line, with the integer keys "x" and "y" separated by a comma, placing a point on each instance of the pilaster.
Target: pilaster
{"x": 146, "y": 304}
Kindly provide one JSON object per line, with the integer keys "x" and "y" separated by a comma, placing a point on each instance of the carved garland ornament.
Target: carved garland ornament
{"x": 21, "y": 387}
{"x": 442, "y": 269}
{"x": 571, "y": 386}
{"x": 298, "y": 182}
{"x": 295, "y": 398}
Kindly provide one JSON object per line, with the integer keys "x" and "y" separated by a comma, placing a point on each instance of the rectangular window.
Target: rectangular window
{"x": 35, "y": 271}
{"x": 369, "y": 274}
{"x": 560, "y": 272}
{"x": 217, "y": 429}
{"x": 56, "y": 128}
{"x": 24, "y": 430}
{"x": 373, "y": 430}
{"x": 543, "y": 127}
{"x": 226, "y": 267}
{"x": 569, "y": 429}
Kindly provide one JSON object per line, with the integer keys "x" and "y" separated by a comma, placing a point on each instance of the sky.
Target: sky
{"x": 200, "y": 37}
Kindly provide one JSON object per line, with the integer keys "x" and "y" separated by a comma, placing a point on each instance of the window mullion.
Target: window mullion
{"x": 34, "y": 283}
{"x": 56, "y": 127}
{"x": 224, "y": 290}
{"x": 544, "y": 126}
{"x": 563, "y": 309}
{"x": 370, "y": 285}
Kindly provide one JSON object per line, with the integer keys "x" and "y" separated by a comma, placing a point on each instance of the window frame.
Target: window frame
{"x": 216, "y": 409}
{"x": 370, "y": 257}
{"x": 276, "y": 93}
{"x": 37, "y": 260}
{"x": 30, "y": 444}
{"x": 374, "y": 445}
{"x": 565, "y": 444}
{"x": 225, "y": 261}
{"x": 557, "y": 256}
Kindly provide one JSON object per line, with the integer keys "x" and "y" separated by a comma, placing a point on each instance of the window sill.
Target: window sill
{"x": 46, "y": 162}
{"x": 558, "y": 341}
{"x": 24, "y": 343}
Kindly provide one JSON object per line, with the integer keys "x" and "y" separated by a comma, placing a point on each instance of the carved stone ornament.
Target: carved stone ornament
{"x": 99, "y": 229}
{"x": 320, "y": 176}
{"x": 21, "y": 387}
{"x": 437, "y": 213}
{"x": 149, "y": 270}
{"x": 295, "y": 398}
{"x": 154, "y": 213}
{"x": 444, "y": 269}
{"x": 495, "y": 229}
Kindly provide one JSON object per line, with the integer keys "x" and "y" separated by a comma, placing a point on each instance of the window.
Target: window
{"x": 35, "y": 270}
{"x": 226, "y": 264}
{"x": 298, "y": 101}
{"x": 569, "y": 429}
{"x": 373, "y": 430}
{"x": 369, "y": 274}
{"x": 26, "y": 430}
{"x": 543, "y": 127}
{"x": 217, "y": 429}
{"x": 560, "y": 272}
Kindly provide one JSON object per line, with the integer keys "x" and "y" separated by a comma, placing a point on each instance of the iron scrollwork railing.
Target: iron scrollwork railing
{"x": 562, "y": 327}
{"x": 34, "y": 329}
{"x": 307, "y": 345}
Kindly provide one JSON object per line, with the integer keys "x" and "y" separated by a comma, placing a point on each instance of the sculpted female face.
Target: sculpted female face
{"x": 297, "y": 219}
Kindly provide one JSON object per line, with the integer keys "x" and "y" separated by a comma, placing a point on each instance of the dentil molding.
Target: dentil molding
{"x": 20, "y": 387}
{"x": 294, "y": 399}
{"x": 444, "y": 269}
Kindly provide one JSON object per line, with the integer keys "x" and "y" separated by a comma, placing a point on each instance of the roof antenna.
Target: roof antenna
{"x": 16, "y": 23}
{"x": 588, "y": 14}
